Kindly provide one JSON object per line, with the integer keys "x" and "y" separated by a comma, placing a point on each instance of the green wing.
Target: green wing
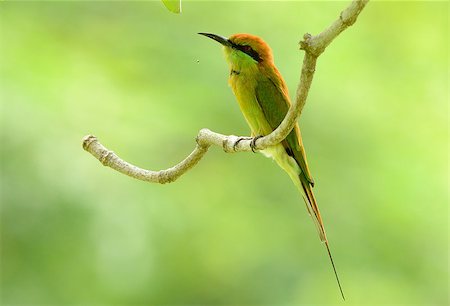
{"x": 274, "y": 101}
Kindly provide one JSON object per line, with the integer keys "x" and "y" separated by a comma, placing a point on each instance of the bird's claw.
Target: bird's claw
{"x": 239, "y": 140}
{"x": 253, "y": 143}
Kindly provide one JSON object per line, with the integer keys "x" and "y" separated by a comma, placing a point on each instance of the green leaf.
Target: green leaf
{"x": 173, "y": 5}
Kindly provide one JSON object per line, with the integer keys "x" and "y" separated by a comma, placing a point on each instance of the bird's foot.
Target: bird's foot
{"x": 253, "y": 143}
{"x": 239, "y": 140}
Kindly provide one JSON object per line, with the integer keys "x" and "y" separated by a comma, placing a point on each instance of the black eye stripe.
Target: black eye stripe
{"x": 248, "y": 50}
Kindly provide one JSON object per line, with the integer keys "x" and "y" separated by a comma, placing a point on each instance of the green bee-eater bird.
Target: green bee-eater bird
{"x": 264, "y": 100}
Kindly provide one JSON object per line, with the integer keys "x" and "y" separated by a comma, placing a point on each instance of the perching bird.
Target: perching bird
{"x": 264, "y": 100}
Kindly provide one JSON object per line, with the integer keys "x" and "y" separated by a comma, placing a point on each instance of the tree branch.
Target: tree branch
{"x": 313, "y": 46}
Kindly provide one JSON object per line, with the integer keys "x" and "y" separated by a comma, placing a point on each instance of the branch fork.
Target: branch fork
{"x": 313, "y": 46}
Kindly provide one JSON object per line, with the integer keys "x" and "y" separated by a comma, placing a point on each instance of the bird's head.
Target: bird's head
{"x": 244, "y": 50}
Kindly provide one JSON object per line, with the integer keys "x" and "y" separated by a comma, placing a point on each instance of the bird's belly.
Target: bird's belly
{"x": 273, "y": 152}
{"x": 244, "y": 90}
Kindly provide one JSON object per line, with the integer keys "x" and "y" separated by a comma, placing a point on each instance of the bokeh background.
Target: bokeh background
{"x": 234, "y": 230}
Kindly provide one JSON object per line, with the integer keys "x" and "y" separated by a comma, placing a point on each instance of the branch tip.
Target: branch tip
{"x": 87, "y": 140}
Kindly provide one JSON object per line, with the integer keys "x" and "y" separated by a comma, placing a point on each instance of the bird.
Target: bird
{"x": 263, "y": 99}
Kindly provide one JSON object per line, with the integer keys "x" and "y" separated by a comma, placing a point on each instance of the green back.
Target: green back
{"x": 273, "y": 98}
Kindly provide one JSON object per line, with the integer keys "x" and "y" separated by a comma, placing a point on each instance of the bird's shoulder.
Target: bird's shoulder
{"x": 272, "y": 93}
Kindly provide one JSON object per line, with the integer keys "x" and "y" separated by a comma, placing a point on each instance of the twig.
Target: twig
{"x": 313, "y": 46}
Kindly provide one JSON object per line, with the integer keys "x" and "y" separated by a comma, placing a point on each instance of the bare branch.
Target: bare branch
{"x": 313, "y": 46}
{"x": 317, "y": 44}
{"x": 110, "y": 159}
{"x": 205, "y": 139}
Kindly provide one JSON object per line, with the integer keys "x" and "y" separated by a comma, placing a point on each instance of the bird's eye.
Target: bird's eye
{"x": 249, "y": 51}
{"x": 246, "y": 48}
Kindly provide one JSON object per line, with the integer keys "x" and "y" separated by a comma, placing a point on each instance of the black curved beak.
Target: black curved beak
{"x": 224, "y": 41}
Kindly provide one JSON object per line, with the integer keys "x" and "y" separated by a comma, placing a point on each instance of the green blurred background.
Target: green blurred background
{"x": 234, "y": 230}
